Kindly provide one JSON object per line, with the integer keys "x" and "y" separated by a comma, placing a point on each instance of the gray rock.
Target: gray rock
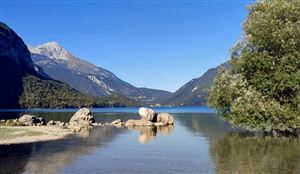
{"x": 62, "y": 125}
{"x": 50, "y": 123}
{"x": 2, "y": 121}
{"x": 118, "y": 121}
{"x": 57, "y": 122}
{"x": 27, "y": 120}
{"x": 139, "y": 123}
{"x": 159, "y": 124}
{"x": 31, "y": 120}
{"x": 83, "y": 118}
{"x": 165, "y": 118}
{"x": 147, "y": 114}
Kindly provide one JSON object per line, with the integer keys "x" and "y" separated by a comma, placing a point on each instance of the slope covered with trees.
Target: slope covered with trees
{"x": 196, "y": 91}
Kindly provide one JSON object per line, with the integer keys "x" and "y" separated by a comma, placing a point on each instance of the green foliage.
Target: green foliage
{"x": 262, "y": 90}
{"x": 43, "y": 93}
{"x": 39, "y": 93}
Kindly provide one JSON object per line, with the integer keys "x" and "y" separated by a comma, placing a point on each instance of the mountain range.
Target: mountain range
{"x": 85, "y": 77}
{"x": 48, "y": 75}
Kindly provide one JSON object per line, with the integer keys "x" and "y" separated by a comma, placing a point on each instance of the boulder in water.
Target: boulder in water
{"x": 83, "y": 118}
{"x": 165, "y": 118}
{"x": 147, "y": 114}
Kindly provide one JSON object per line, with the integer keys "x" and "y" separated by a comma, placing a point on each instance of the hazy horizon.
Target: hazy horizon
{"x": 158, "y": 44}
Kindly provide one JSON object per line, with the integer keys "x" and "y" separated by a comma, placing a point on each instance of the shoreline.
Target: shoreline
{"x": 10, "y": 135}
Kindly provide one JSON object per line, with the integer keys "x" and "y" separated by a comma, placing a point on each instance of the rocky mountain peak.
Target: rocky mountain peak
{"x": 52, "y": 50}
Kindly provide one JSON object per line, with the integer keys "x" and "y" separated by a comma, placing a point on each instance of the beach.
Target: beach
{"x": 29, "y": 134}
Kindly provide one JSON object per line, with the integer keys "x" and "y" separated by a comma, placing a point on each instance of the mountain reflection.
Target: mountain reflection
{"x": 147, "y": 134}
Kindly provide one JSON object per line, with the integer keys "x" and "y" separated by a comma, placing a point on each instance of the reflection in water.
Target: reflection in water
{"x": 207, "y": 124}
{"x": 147, "y": 133}
{"x": 51, "y": 157}
{"x": 237, "y": 153}
{"x": 207, "y": 145}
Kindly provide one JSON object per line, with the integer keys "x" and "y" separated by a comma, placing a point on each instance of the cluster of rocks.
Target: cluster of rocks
{"x": 58, "y": 124}
{"x": 148, "y": 118}
{"x": 31, "y": 120}
{"x": 84, "y": 120}
{"x": 25, "y": 120}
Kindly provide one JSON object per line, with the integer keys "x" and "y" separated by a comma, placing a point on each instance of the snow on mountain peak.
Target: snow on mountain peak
{"x": 52, "y": 50}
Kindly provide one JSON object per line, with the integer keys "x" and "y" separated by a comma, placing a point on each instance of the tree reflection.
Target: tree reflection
{"x": 238, "y": 153}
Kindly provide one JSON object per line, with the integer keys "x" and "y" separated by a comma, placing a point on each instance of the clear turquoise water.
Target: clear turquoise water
{"x": 199, "y": 142}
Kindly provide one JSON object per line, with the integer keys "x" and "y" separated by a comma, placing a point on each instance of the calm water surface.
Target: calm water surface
{"x": 199, "y": 142}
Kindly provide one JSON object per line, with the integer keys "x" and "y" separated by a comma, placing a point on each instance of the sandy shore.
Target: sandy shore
{"x": 29, "y": 134}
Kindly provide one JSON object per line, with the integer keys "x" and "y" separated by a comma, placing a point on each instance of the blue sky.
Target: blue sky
{"x": 156, "y": 44}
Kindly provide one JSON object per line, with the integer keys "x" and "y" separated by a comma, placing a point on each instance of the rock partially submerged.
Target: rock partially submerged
{"x": 82, "y": 119}
{"x": 165, "y": 118}
{"x": 158, "y": 124}
{"x": 147, "y": 114}
{"x": 118, "y": 123}
{"x": 150, "y": 118}
{"x": 139, "y": 123}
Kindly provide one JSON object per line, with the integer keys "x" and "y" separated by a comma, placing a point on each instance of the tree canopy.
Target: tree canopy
{"x": 262, "y": 88}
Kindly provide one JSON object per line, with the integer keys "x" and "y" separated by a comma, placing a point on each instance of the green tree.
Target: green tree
{"x": 262, "y": 88}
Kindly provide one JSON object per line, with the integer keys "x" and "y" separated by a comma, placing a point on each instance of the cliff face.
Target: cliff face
{"x": 15, "y": 63}
{"x": 12, "y": 47}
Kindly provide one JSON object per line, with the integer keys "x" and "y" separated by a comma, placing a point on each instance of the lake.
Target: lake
{"x": 199, "y": 142}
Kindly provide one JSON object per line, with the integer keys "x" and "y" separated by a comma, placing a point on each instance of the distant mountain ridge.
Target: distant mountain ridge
{"x": 196, "y": 91}
{"x": 85, "y": 77}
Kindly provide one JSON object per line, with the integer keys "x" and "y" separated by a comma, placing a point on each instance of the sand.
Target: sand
{"x": 30, "y": 134}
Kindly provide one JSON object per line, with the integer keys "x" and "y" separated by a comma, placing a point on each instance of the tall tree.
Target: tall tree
{"x": 262, "y": 89}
